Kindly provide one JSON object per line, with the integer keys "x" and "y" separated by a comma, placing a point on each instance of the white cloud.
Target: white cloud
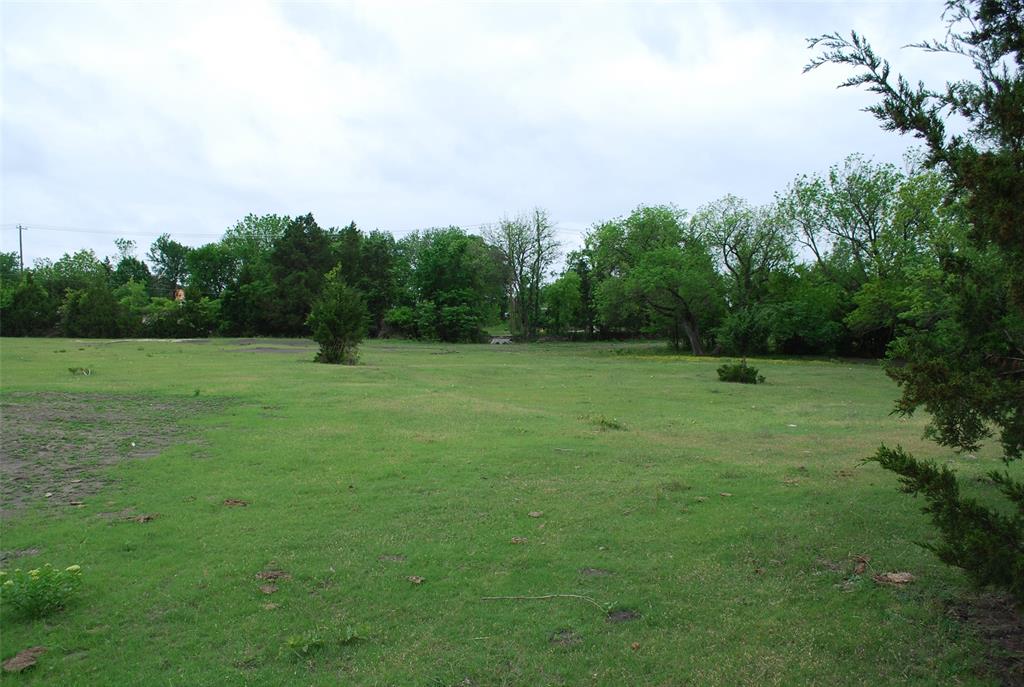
{"x": 184, "y": 117}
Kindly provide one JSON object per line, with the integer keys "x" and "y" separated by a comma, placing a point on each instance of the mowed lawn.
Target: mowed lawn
{"x": 718, "y": 523}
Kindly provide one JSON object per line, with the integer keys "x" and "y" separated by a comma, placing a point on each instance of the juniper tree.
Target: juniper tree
{"x": 962, "y": 357}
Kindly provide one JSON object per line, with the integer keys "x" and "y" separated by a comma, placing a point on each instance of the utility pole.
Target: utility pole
{"x": 21, "y": 249}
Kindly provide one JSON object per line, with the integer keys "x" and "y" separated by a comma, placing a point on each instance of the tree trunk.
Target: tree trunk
{"x": 693, "y": 334}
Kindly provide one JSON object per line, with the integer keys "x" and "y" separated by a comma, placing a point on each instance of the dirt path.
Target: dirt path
{"x": 54, "y": 446}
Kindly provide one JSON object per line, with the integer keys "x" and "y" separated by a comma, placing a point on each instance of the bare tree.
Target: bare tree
{"x": 528, "y": 248}
{"x": 545, "y": 252}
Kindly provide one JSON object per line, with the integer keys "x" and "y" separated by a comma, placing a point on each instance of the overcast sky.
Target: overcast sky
{"x": 133, "y": 119}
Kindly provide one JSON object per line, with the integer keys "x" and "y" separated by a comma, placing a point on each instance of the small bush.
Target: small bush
{"x": 39, "y": 592}
{"x": 739, "y": 372}
{"x": 338, "y": 321}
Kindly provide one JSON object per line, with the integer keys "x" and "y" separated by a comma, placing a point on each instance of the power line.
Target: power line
{"x": 11, "y": 226}
{"x": 83, "y": 230}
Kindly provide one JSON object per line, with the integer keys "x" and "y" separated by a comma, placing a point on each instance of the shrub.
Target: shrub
{"x": 39, "y": 592}
{"x": 401, "y": 320}
{"x": 739, "y": 372}
{"x": 338, "y": 321}
{"x": 91, "y": 312}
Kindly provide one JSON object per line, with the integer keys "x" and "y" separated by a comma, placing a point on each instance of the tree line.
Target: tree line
{"x": 828, "y": 267}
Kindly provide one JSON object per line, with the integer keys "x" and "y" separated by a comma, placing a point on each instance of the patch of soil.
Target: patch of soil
{"x": 565, "y": 638}
{"x": 622, "y": 615}
{"x": 56, "y": 445}
{"x": 24, "y": 659}
{"x": 6, "y": 556}
{"x": 276, "y": 342}
{"x": 997, "y": 621}
{"x": 595, "y": 572}
{"x": 273, "y": 575}
{"x": 268, "y": 349}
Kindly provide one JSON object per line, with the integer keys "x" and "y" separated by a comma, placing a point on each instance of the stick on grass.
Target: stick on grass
{"x": 544, "y": 597}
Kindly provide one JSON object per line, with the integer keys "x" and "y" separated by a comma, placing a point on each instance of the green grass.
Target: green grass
{"x": 438, "y": 453}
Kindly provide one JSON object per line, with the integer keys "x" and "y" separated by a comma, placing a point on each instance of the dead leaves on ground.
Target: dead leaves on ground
{"x": 24, "y": 659}
{"x": 519, "y": 540}
{"x": 415, "y": 579}
{"x": 271, "y": 575}
{"x": 894, "y": 579}
{"x": 862, "y": 565}
{"x": 235, "y": 502}
{"x": 535, "y": 513}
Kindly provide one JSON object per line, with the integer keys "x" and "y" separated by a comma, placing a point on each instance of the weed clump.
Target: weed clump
{"x": 313, "y": 641}
{"x": 739, "y": 372}
{"x": 39, "y": 592}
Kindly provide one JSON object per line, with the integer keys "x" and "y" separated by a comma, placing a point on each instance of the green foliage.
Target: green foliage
{"x": 562, "y": 301}
{"x": 456, "y": 285}
{"x": 749, "y": 244}
{"x": 378, "y": 276}
{"x": 252, "y": 238}
{"x": 805, "y": 313}
{"x": 744, "y": 331}
{"x": 303, "y": 646}
{"x": 211, "y": 268}
{"x": 524, "y": 247}
{"x": 960, "y": 356}
{"x": 401, "y": 321}
{"x": 739, "y": 372}
{"x": 130, "y": 268}
{"x": 92, "y": 311}
{"x": 10, "y": 276}
{"x": 247, "y": 303}
{"x": 458, "y": 322}
{"x": 984, "y": 542}
{"x": 170, "y": 264}
{"x": 30, "y": 310}
{"x": 195, "y": 317}
{"x": 298, "y": 263}
{"x": 650, "y": 261}
{"x": 338, "y": 321}
{"x": 134, "y": 304}
{"x": 38, "y": 592}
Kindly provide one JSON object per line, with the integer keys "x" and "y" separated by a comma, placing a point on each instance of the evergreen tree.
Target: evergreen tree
{"x": 962, "y": 360}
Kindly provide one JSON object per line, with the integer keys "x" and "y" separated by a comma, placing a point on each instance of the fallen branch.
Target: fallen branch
{"x": 545, "y": 597}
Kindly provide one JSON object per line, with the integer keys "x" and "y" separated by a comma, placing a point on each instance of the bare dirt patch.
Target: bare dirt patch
{"x": 275, "y": 342}
{"x": 55, "y": 446}
{"x": 565, "y": 638}
{"x": 622, "y": 615}
{"x": 595, "y": 572}
{"x": 997, "y": 621}
{"x": 7, "y": 556}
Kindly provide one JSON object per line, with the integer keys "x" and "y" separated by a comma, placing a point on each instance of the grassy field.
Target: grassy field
{"x": 711, "y": 527}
